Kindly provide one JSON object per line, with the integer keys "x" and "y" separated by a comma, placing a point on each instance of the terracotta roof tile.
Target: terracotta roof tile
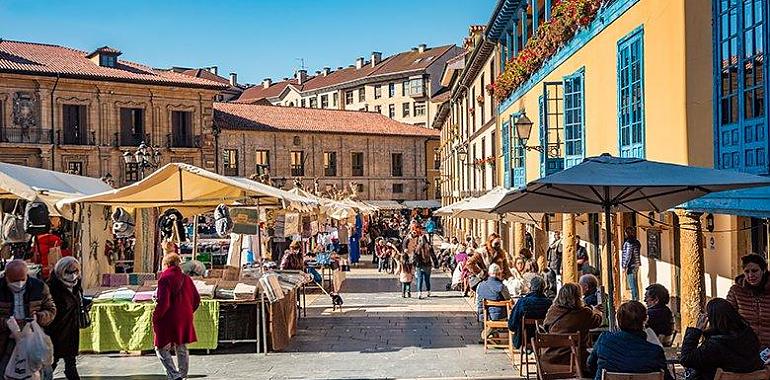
{"x": 44, "y": 59}
{"x": 258, "y": 92}
{"x": 274, "y": 118}
{"x": 205, "y": 74}
{"x": 411, "y": 60}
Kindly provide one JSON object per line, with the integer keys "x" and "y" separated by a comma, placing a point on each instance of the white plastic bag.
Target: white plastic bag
{"x": 19, "y": 367}
{"x": 39, "y": 347}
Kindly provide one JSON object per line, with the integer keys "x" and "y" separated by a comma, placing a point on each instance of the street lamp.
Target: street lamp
{"x": 145, "y": 157}
{"x": 523, "y": 127}
{"x": 462, "y": 155}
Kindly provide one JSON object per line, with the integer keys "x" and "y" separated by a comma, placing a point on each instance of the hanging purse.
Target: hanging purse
{"x": 84, "y": 312}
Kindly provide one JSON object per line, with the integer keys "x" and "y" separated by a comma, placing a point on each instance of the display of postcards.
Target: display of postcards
{"x": 271, "y": 286}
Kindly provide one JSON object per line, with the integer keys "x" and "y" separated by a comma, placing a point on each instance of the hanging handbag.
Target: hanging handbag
{"x": 13, "y": 227}
{"x": 84, "y": 311}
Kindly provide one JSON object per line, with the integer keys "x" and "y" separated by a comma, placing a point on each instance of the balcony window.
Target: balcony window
{"x": 131, "y": 126}
{"x": 230, "y": 162}
{"x": 357, "y": 164}
{"x": 297, "y": 163}
{"x": 74, "y": 124}
{"x": 419, "y": 109}
{"x": 262, "y": 161}
{"x": 330, "y": 164}
{"x": 181, "y": 129}
{"x": 392, "y": 111}
{"x": 397, "y": 164}
{"x": 324, "y": 101}
{"x": 405, "y": 108}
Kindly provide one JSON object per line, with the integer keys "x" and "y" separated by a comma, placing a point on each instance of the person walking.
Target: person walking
{"x": 405, "y": 272}
{"x": 750, "y": 295}
{"x": 172, "y": 320}
{"x": 632, "y": 261}
{"x": 554, "y": 255}
{"x": 416, "y": 246}
{"x": 64, "y": 330}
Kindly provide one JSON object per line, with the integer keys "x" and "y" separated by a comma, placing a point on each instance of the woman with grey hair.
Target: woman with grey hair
{"x": 569, "y": 315}
{"x": 64, "y": 331}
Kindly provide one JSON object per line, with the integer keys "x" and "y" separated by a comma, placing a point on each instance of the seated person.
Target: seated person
{"x": 659, "y": 317}
{"x": 590, "y": 287}
{"x": 533, "y": 305}
{"x": 627, "y": 350}
{"x": 492, "y": 289}
{"x": 568, "y": 315}
{"x": 729, "y": 343}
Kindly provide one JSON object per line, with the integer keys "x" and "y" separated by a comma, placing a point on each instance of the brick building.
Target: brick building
{"x": 400, "y": 86}
{"x": 384, "y": 159}
{"x": 70, "y": 110}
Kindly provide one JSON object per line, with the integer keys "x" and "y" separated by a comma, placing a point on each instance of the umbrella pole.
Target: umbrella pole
{"x": 610, "y": 280}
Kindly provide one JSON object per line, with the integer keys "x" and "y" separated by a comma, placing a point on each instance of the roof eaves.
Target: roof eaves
{"x": 168, "y": 82}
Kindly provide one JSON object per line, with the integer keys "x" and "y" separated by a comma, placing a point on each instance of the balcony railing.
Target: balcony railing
{"x": 130, "y": 139}
{"x": 26, "y": 135}
{"x": 70, "y": 138}
{"x": 183, "y": 141}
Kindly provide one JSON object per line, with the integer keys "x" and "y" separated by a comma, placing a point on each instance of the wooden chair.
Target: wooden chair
{"x": 526, "y": 344}
{"x": 548, "y": 371}
{"x": 667, "y": 341}
{"x": 763, "y": 374}
{"x": 631, "y": 376}
{"x": 490, "y": 325}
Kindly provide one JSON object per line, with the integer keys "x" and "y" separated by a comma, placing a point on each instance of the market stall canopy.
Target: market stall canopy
{"x": 449, "y": 209}
{"x": 612, "y": 184}
{"x": 481, "y": 208}
{"x": 386, "y": 205}
{"x": 429, "y": 203}
{"x": 187, "y": 186}
{"x": 47, "y": 186}
{"x": 332, "y": 208}
{"x": 359, "y": 206}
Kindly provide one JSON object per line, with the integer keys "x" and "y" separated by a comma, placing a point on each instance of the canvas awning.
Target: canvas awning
{"x": 429, "y": 203}
{"x": 449, "y": 209}
{"x": 332, "y": 208}
{"x": 481, "y": 208}
{"x": 47, "y": 186}
{"x": 386, "y": 205}
{"x": 187, "y": 186}
{"x": 753, "y": 203}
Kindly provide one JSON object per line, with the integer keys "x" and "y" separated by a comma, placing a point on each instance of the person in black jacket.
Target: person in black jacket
{"x": 729, "y": 343}
{"x": 627, "y": 350}
{"x": 659, "y": 317}
{"x": 64, "y": 331}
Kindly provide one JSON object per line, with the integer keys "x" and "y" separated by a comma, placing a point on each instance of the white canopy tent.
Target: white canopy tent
{"x": 427, "y": 203}
{"x": 330, "y": 207}
{"x": 481, "y": 208}
{"x": 450, "y": 209}
{"x": 386, "y": 205}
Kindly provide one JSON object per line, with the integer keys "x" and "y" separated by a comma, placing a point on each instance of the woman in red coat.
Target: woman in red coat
{"x": 172, "y": 320}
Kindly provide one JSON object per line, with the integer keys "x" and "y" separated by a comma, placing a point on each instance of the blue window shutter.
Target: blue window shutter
{"x": 541, "y": 129}
{"x": 520, "y": 166}
{"x": 631, "y": 133}
{"x": 574, "y": 119}
{"x": 506, "y": 136}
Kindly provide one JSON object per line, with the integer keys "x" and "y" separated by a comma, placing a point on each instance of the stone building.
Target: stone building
{"x": 70, "y": 110}
{"x": 400, "y": 86}
{"x": 383, "y": 159}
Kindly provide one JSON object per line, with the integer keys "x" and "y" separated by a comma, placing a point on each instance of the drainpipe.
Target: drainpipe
{"x": 53, "y": 112}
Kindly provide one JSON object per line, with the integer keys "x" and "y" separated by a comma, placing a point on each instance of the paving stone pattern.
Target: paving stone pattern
{"x": 377, "y": 335}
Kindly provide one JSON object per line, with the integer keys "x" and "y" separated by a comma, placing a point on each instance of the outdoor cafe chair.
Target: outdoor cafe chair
{"x": 631, "y": 376}
{"x": 763, "y": 374}
{"x": 491, "y": 341}
{"x": 548, "y": 371}
{"x": 527, "y": 325}
{"x": 667, "y": 341}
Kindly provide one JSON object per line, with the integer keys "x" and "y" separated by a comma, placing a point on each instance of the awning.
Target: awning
{"x": 449, "y": 209}
{"x": 47, "y": 186}
{"x": 332, "y": 208}
{"x": 430, "y": 203}
{"x": 386, "y": 205}
{"x": 187, "y": 186}
{"x": 748, "y": 202}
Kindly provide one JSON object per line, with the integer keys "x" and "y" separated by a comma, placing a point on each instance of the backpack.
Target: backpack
{"x": 222, "y": 221}
{"x": 36, "y": 218}
{"x": 13, "y": 228}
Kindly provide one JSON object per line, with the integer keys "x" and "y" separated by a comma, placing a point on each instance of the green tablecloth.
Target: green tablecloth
{"x": 127, "y": 326}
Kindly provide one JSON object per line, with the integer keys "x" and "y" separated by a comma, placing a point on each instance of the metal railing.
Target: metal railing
{"x": 74, "y": 138}
{"x": 130, "y": 139}
{"x": 183, "y": 141}
{"x": 26, "y": 135}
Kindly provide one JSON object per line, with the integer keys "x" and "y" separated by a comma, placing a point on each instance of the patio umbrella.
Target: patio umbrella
{"x": 609, "y": 184}
{"x": 449, "y": 209}
{"x": 481, "y": 208}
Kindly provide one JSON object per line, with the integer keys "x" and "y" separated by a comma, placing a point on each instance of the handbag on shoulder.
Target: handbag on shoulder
{"x": 84, "y": 312}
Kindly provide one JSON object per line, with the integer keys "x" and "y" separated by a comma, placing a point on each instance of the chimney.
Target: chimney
{"x": 233, "y": 79}
{"x": 285, "y": 79}
{"x": 421, "y": 48}
{"x": 318, "y": 72}
{"x": 414, "y": 50}
{"x": 326, "y": 71}
{"x": 213, "y": 70}
{"x": 359, "y": 63}
{"x": 339, "y": 67}
{"x": 267, "y": 82}
{"x": 376, "y": 58}
{"x": 301, "y": 76}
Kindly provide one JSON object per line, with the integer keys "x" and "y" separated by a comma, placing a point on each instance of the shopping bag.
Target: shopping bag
{"x": 30, "y": 354}
{"x": 54, "y": 255}
{"x": 39, "y": 347}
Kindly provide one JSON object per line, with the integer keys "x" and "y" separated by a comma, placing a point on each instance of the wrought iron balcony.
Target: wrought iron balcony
{"x": 26, "y": 135}
{"x": 131, "y": 139}
{"x": 75, "y": 138}
{"x": 183, "y": 141}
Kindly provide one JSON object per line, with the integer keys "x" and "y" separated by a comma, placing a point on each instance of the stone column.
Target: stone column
{"x": 541, "y": 242}
{"x": 692, "y": 266}
{"x": 519, "y": 238}
{"x": 569, "y": 252}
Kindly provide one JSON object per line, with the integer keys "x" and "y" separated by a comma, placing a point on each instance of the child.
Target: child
{"x": 405, "y": 272}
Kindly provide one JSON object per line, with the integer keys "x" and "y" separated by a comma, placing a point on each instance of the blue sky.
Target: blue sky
{"x": 256, "y": 39}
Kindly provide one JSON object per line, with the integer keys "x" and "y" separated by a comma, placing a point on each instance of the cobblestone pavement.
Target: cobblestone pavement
{"x": 377, "y": 335}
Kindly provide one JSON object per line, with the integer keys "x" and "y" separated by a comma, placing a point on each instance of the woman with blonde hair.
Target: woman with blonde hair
{"x": 568, "y": 315}
{"x": 491, "y": 253}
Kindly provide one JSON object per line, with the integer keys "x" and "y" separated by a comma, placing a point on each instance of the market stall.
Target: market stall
{"x": 182, "y": 190}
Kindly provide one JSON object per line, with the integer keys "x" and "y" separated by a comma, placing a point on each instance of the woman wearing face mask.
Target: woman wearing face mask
{"x": 485, "y": 256}
{"x": 64, "y": 331}
{"x": 750, "y": 295}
